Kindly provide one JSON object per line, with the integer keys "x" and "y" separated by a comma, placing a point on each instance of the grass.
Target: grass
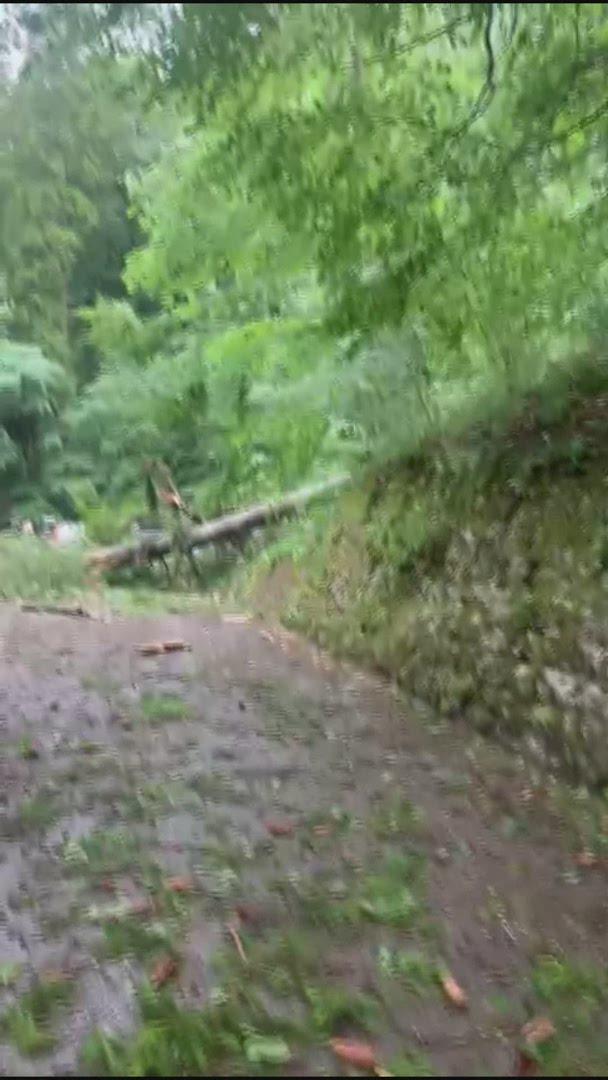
{"x": 215, "y": 787}
{"x": 38, "y": 811}
{"x": 9, "y": 973}
{"x": 399, "y": 817}
{"x": 234, "y": 1034}
{"x": 393, "y": 897}
{"x": 575, "y": 997}
{"x": 105, "y": 851}
{"x": 131, "y": 938}
{"x": 31, "y": 569}
{"x": 147, "y": 801}
{"x": 142, "y": 599}
{"x": 243, "y": 1029}
{"x": 102, "y": 684}
{"x": 411, "y": 1065}
{"x": 413, "y": 970}
{"x": 28, "y": 1023}
{"x": 27, "y": 749}
{"x": 156, "y": 796}
{"x": 163, "y": 708}
{"x": 333, "y": 1008}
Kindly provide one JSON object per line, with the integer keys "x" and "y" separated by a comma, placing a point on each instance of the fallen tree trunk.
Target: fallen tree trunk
{"x": 57, "y": 609}
{"x": 230, "y": 527}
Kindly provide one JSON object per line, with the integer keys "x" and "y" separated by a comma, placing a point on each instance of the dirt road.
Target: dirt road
{"x": 222, "y": 859}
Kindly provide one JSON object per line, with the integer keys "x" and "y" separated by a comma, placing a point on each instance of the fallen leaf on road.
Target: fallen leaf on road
{"x": 358, "y": 1054}
{"x": 322, "y": 830}
{"x": 165, "y": 969}
{"x": 279, "y": 828}
{"x": 538, "y": 1031}
{"x": 234, "y": 934}
{"x": 586, "y": 859}
{"x": 525, "y": 1066}
{"x": 151, "y": 648}
{"x": 176, "y": 646}
{"x": 535, "y": 1033}
{"x": 453, "y": 992}
{"x": 180, "y": 884}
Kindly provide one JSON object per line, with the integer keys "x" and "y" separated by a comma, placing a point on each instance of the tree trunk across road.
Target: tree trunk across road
{"x": 229, "y": 527}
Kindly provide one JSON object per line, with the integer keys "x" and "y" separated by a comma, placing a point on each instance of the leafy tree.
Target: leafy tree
{"x": 33, "y": 393}
{"x": 364, "y": 218}
{"x": 70, "y": 133}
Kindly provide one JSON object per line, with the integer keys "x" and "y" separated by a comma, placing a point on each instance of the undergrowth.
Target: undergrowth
{"x": 31, "y": 569}
{"x": 475, "y": 570}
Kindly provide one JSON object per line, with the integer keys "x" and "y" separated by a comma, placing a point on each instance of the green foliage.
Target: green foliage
{"x": 33, "y": 390}
{"x": 105, "y": 851}
{"x": 72, "y": 138}
{"x": 333, "y": 1007}
{"x": 322, "y": 309}
{"x": 417, "y": 973}
{"x": 174, "y": 1041}
{"x": 575, "y": 996}
{"x": 66, "y": 142}
{"x": 555, "y": 980}
{"x": 31, "y": 570}
{"x": 28, "y": 1023}
{"x": 336, "y": 233}
{"x": 158, "y": 708}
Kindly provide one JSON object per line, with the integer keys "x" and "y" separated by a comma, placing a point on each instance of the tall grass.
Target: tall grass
{"x": 31, "y": 569}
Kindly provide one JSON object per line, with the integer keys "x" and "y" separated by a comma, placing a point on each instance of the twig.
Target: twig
{"x": 487, "y": 37}
{"x": 489, "y": 87}
{"x": 234, "y": 934}
{"x": 58, "y": 609}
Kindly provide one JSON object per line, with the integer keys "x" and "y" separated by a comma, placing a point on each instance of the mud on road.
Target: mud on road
{"x": 222, "y": 859}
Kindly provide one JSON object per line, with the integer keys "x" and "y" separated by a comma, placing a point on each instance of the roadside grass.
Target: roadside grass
{"x": 234, "y": 1031}
{"x": 163, "y": 708}
{"x": 28, "y": 1023}
{"x": 31, "y": 569}
{"x": 105, "y": 851}
{"x": 39, "y": 811}
{"x": 575, "y": 997}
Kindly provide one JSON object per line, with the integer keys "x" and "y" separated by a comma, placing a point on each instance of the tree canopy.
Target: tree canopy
{"x": 269, "y": 237}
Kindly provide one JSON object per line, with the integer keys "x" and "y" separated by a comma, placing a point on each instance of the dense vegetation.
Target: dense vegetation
{"x": 267, "y": 242}
{"x": 244, "y": 248}
{"x": 262, "y": 239}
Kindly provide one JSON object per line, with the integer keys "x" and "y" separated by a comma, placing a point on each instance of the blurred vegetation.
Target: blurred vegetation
{"x": 31, "y": 570}
{"x": 476, "y": 574}
{"x": 266, "y": 239}
{"x": 264, "y": 242}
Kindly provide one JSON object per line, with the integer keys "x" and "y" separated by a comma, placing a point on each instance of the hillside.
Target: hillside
{"x": 475, "y": 574}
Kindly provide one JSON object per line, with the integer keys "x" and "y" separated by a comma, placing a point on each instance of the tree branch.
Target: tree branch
{"x": 487, "y": 39}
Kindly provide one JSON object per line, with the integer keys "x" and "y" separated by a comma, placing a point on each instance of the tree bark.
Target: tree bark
{"x": 232, "y": 526}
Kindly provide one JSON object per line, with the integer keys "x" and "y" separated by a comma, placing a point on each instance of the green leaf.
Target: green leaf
{"x": 266, "y": 1050}
{"x": 9, "y": 973}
